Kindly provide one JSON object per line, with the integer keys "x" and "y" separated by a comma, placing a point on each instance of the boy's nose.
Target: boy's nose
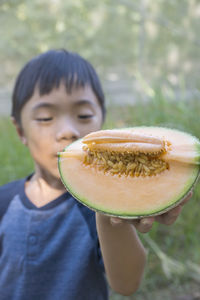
{"x": 67, "y": 131}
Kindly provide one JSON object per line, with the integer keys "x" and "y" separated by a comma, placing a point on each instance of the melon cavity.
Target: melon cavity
{"x": 131, "y": 172}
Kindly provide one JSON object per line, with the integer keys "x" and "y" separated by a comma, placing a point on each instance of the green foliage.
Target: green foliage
{"x": 15, "y": 159}
{"x": 158, "y": 112}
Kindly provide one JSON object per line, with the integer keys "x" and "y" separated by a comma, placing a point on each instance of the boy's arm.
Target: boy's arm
{"x": 123, "y": 254}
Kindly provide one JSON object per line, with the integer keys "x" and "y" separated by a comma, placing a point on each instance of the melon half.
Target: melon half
{"x": 131, "y": 172}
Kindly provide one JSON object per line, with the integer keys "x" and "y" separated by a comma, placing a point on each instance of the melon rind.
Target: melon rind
{"x": 197, "y": 158}
{"x": 192, "y": 180}
{"x": 124, "y": 214}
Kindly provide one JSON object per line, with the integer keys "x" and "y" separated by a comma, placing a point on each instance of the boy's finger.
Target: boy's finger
{"x": 115, "y": 221}
{"x": 169, "y": 220}
{"x": 144, "y": 225}
{"x": 169, "y": 217}
{"x": 187, "y": 198}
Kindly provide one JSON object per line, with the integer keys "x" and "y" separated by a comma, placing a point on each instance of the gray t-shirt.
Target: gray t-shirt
{"x": 48, "y": 253}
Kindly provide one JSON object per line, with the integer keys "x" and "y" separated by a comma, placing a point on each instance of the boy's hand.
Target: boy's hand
{"x": 144, "y": 225}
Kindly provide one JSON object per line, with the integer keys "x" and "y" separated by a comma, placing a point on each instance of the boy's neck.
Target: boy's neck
{"x": 40, "y": 191}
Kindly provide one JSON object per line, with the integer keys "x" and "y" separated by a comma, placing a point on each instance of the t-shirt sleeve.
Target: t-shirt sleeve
{"x": 7, "y": 193}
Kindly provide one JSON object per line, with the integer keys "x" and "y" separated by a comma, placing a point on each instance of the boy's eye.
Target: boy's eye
{"x": 44, "y": 119}
{"x": 85, "y": 116}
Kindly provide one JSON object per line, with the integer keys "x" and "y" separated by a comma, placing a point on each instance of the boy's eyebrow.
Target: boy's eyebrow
{"x": 43, "y": 105}
{"x": 52, "y": 105}
{"x": 83, "y": 102}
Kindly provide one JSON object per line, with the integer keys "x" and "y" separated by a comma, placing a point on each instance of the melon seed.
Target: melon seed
{"x": 127, "y": 163}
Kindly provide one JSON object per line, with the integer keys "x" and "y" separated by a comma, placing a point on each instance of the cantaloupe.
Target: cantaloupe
{"x": 131, "y": 172}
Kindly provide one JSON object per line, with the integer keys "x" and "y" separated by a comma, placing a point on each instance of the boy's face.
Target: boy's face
{"x": 51, "y": 122}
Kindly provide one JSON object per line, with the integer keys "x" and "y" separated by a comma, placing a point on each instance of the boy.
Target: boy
{"x": 49, "y": 243}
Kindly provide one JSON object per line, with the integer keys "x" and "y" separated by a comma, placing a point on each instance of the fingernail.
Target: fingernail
{"x": 146, "y": 222}
{"x": 115, "y": 221}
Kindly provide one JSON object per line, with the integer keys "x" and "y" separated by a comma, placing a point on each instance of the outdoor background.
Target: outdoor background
{"x": 147, "y": 54}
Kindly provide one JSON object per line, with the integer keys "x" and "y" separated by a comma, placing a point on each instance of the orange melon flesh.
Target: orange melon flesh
{"x": 134, "y": 197}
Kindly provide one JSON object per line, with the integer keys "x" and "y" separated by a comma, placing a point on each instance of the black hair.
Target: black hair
{"x": 47, "y": 70}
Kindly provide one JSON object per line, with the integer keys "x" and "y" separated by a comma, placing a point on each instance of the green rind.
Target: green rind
{"x": 189, "y": 186}
{"x": 197, "y": 158}
{"x": 129, "y": 215}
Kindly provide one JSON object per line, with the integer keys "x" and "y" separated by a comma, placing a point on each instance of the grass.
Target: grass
{"x": 179, "y": 243}
{"x": 15, "y": 159}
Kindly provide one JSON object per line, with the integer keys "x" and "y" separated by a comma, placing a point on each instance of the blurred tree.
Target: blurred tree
{"x": 155, "y": 41}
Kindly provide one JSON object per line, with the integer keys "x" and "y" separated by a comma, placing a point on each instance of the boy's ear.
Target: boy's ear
{"x": 19, "y": 130}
